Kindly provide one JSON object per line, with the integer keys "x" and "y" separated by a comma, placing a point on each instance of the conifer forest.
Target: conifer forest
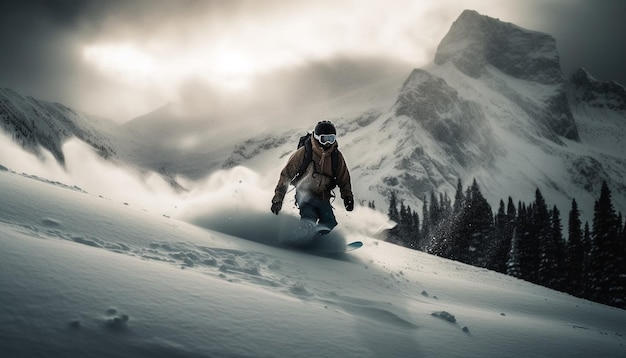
{"x": 523, "y": 240}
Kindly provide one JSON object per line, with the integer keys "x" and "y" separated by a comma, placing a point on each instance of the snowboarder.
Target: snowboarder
{"x": 315, "y": 168}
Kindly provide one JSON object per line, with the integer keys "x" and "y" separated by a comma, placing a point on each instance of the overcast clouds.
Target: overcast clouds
{"x": 122, "y": 58}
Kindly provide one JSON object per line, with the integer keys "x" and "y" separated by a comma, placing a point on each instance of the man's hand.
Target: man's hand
{"x": 349, "y": 203}
{"x": 276, "y": 206}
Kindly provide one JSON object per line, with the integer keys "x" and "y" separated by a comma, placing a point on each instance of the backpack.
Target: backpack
{"x": 305, "y": 141}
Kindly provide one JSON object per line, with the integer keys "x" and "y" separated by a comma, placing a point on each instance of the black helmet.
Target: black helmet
{"x": 325, "y": 127}
{"x": 325, "y": 133}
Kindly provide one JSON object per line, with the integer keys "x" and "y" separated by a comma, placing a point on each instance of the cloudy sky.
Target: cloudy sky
{"x": 123, "y": 58}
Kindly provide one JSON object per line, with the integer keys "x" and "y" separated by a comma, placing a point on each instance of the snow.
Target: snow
{"x": 99, "y": 260}
{"x": 92, "y": 270}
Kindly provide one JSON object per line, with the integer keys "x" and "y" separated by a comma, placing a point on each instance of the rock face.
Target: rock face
{"x": 451, "y": 120}
{"x": 610, "y": 95}
{"x": 476, "y": 42}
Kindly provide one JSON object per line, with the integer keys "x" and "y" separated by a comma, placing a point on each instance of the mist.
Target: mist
{"x": 234, "y": 201}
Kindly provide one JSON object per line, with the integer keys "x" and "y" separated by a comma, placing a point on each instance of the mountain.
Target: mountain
{"x": 34, "y": 123}
{"x": 493, "y": 106}
{"x": 475, "y": 44}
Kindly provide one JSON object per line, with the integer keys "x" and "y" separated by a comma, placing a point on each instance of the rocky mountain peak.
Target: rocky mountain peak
{"x": 598, "y": 94}
{"x": 475, "y": 41}
{"x": 452, "y": 121}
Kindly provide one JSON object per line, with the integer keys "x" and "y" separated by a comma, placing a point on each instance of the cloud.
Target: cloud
{"x": 15, "y": 158}
{"x": 122, "y": 59}
{"x": 140, "y": 54}
{"x": 89, "y": 172}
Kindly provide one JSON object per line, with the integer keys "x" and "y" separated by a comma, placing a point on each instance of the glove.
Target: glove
{"x": 349, "y": 203}
{"x": 276, "y": 206}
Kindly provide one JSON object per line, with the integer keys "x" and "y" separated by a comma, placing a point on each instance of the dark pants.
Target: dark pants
{"x": 317, "y": 211}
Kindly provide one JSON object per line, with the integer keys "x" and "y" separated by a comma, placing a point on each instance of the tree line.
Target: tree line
{"x": 522, "y": 240}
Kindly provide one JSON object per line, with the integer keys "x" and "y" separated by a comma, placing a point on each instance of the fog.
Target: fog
{"x": 235, "y": 201}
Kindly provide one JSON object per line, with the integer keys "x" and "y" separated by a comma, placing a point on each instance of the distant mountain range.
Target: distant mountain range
{"x": 494, "y": 105}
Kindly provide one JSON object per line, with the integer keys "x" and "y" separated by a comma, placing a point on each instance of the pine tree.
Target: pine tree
{"x": 521, "y": 231}
{"x": 445, "y": 207}
{"x": 528, "y": 246}
{"x": 587, "y": 242}
{"x": 605, "y": 260}
{"x": 511, "y": 217}
{"x": 587, "y": 277}
{"x": 403, "y": 214}
{"x": 456, "y": 225}
{"x": 393, "y": 234}
{"x": 575, "y": 252}
{"x": 459, "y": 198}
{"x": 505, "y": 227}
{"x": 620, "y": 289}
{"x": 393, "y": 213}
{"x": 416, "y": 242}
{"x": 512, "y": 264}
{"x": 463, "y": 231}
{"x": 501, "y": 244}
{"x": 480, "y": 226}
{"x": 426, "y": 234}
{"x": 406, "y": 219}
{"x": 435, "y": 217}
{"x": 540, "y": 235}
{"x": 559, "y": 276}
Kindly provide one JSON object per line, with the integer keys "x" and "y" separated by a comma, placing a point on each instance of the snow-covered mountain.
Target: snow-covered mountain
{"x": 476, "y": 44}
{"x": 494, "y": 105}
{"x": 37, "y": 124}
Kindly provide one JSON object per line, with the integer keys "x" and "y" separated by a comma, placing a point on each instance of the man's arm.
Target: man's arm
{"x": 286, "y": 176}
{"x": 344, "y": 183}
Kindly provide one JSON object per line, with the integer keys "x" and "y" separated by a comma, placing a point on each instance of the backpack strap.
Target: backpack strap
{"x": 308, "y": 158}
{"x": 334, "y": 161}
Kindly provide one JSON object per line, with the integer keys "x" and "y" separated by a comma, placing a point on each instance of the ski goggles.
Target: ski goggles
{"x": 325, "y": 138}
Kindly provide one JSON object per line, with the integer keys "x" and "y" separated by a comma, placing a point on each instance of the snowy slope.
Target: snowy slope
{"x": 85, "y": 275}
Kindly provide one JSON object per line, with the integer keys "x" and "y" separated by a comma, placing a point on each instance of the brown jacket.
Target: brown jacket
{"x": 318, "y": 174}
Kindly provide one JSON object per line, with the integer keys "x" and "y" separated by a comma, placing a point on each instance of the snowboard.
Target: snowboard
{"x": 336, "y": 249}
{"x": 353, "y": 245}
{"x": 320, "y": 240}
{"x": 325, "y": 245}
